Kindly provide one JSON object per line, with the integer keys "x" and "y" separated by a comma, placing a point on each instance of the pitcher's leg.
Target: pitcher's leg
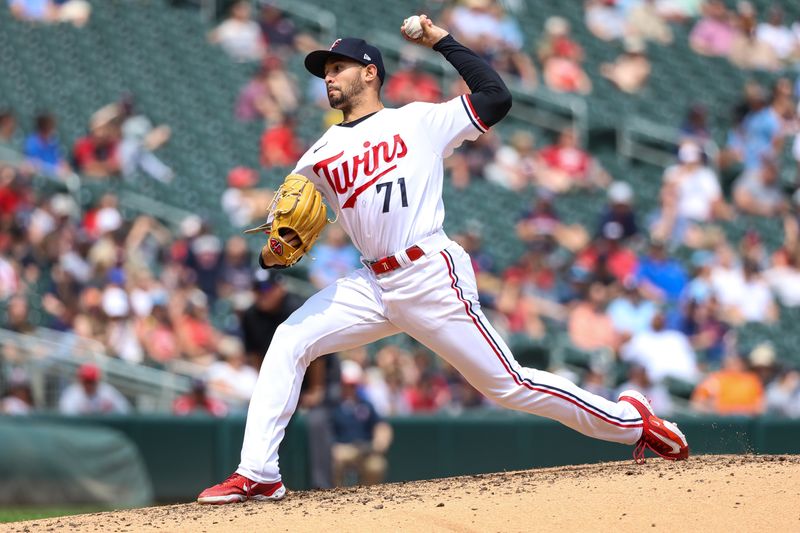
{"x": 341, "y": 316}
{"x": 469, "y": 343}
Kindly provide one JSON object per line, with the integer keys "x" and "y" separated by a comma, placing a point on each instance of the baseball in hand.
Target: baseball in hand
{"x": 412, "y": 27}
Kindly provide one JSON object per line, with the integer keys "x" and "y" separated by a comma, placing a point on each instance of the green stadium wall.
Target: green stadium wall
{"x": 185, "y": 455}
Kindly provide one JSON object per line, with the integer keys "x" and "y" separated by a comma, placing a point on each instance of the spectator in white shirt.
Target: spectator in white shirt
{"x": 698, "y": 191}
{"x": 232, "y": 378}
{"x": 90, "y": 396}
{"x": 663, "y": 353}
{"x": 776, "y": 34}
{"x": 727, "y": 279}
{"x": 755, "y": 302}
{"x": 239, "y": 35}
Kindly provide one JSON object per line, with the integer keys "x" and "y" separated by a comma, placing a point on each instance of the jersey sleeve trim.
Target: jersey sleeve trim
{"x": 473, "y": 116}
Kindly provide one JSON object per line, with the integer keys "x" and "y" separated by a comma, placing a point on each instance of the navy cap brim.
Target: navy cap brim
{"x": 315, "y": 61}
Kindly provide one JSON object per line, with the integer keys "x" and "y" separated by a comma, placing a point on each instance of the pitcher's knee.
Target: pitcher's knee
{"x": 502, "y": 394}
{"x": 287, "y": 342}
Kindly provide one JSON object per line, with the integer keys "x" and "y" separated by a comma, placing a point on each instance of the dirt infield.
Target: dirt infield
{"x": 706, "y": 493}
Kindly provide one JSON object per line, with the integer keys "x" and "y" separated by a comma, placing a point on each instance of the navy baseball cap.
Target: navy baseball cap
{"x": 349, "y": 47}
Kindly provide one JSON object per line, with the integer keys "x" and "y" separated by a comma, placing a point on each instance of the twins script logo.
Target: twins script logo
{"x": 342, "y": 173}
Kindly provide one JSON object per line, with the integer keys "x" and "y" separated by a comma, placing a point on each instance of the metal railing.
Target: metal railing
{"x": 644, "y": 140}
{"x": 51, "y": 359}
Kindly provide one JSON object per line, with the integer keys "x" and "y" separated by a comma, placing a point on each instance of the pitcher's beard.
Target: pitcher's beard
{"x": 347, "y": 97}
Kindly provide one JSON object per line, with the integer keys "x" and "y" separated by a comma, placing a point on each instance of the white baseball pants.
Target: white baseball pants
{"x": 434, "y": 300}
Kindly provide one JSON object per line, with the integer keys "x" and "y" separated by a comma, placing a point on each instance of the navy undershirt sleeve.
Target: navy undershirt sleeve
{"x": 490, "y": 96}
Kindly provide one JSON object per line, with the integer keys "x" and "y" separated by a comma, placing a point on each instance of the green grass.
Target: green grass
{"x": 17, "y": 514}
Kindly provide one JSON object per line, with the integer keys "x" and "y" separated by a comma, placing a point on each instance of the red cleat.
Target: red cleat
{"x": 238, "y": 488}
{"x": 661, "y": 436}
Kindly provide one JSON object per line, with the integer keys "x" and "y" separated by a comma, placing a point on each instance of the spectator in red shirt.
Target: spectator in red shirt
{"x": 198, "y": 402}
{"x": 411, "y": 84}
{"x": 96, "y": 154}
{"x": 607, "y": 257}
{"x": 280, "y": 147}
{"x": 561, "y": 57}
{"x": 565, "y": 165}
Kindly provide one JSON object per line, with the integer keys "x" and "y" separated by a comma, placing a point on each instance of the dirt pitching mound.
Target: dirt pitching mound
{"x": 706, "y": 493}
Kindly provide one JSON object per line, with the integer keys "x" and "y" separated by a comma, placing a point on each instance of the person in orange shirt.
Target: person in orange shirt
{"x": 733, "y": 390}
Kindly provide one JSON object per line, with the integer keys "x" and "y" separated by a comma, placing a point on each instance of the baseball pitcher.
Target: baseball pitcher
{"x": 381, "y": 170}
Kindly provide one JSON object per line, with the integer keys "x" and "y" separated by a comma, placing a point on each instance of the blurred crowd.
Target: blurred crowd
{"x": 611, "y": 295}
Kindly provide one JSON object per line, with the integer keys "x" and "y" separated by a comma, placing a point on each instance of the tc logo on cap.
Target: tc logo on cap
{"x": 335, "y": 44}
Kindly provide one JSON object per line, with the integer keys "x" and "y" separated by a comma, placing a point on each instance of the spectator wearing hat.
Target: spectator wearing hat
{"x": 758, "y": 191}
{"x": 91, "y": 396}
{"x": 205, "y": 259}
{"x": 619, "y": 209}
{"x": 97, "y": 154}
{"x": 763, "y": 361}
{"x": 664, "y": 353}
{"x": 630, "y": 71}
{"x": 17, "y": 400}
{"x": 271, "y": 306}
{"x": 121, "y": 334}
{"x": 139, "y": 139}
{"x": 362, "y": 438}
{"x": 239, "y": 35}
{"x": 561, "y": 57}
{"x": 198, "y": 402}
{"x": 733, "y": 390}
{"x": 698, "y": 193}
{"x": 607, "y": 257}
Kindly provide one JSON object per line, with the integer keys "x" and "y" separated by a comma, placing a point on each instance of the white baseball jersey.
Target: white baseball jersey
{"x": 384, "y": 175}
